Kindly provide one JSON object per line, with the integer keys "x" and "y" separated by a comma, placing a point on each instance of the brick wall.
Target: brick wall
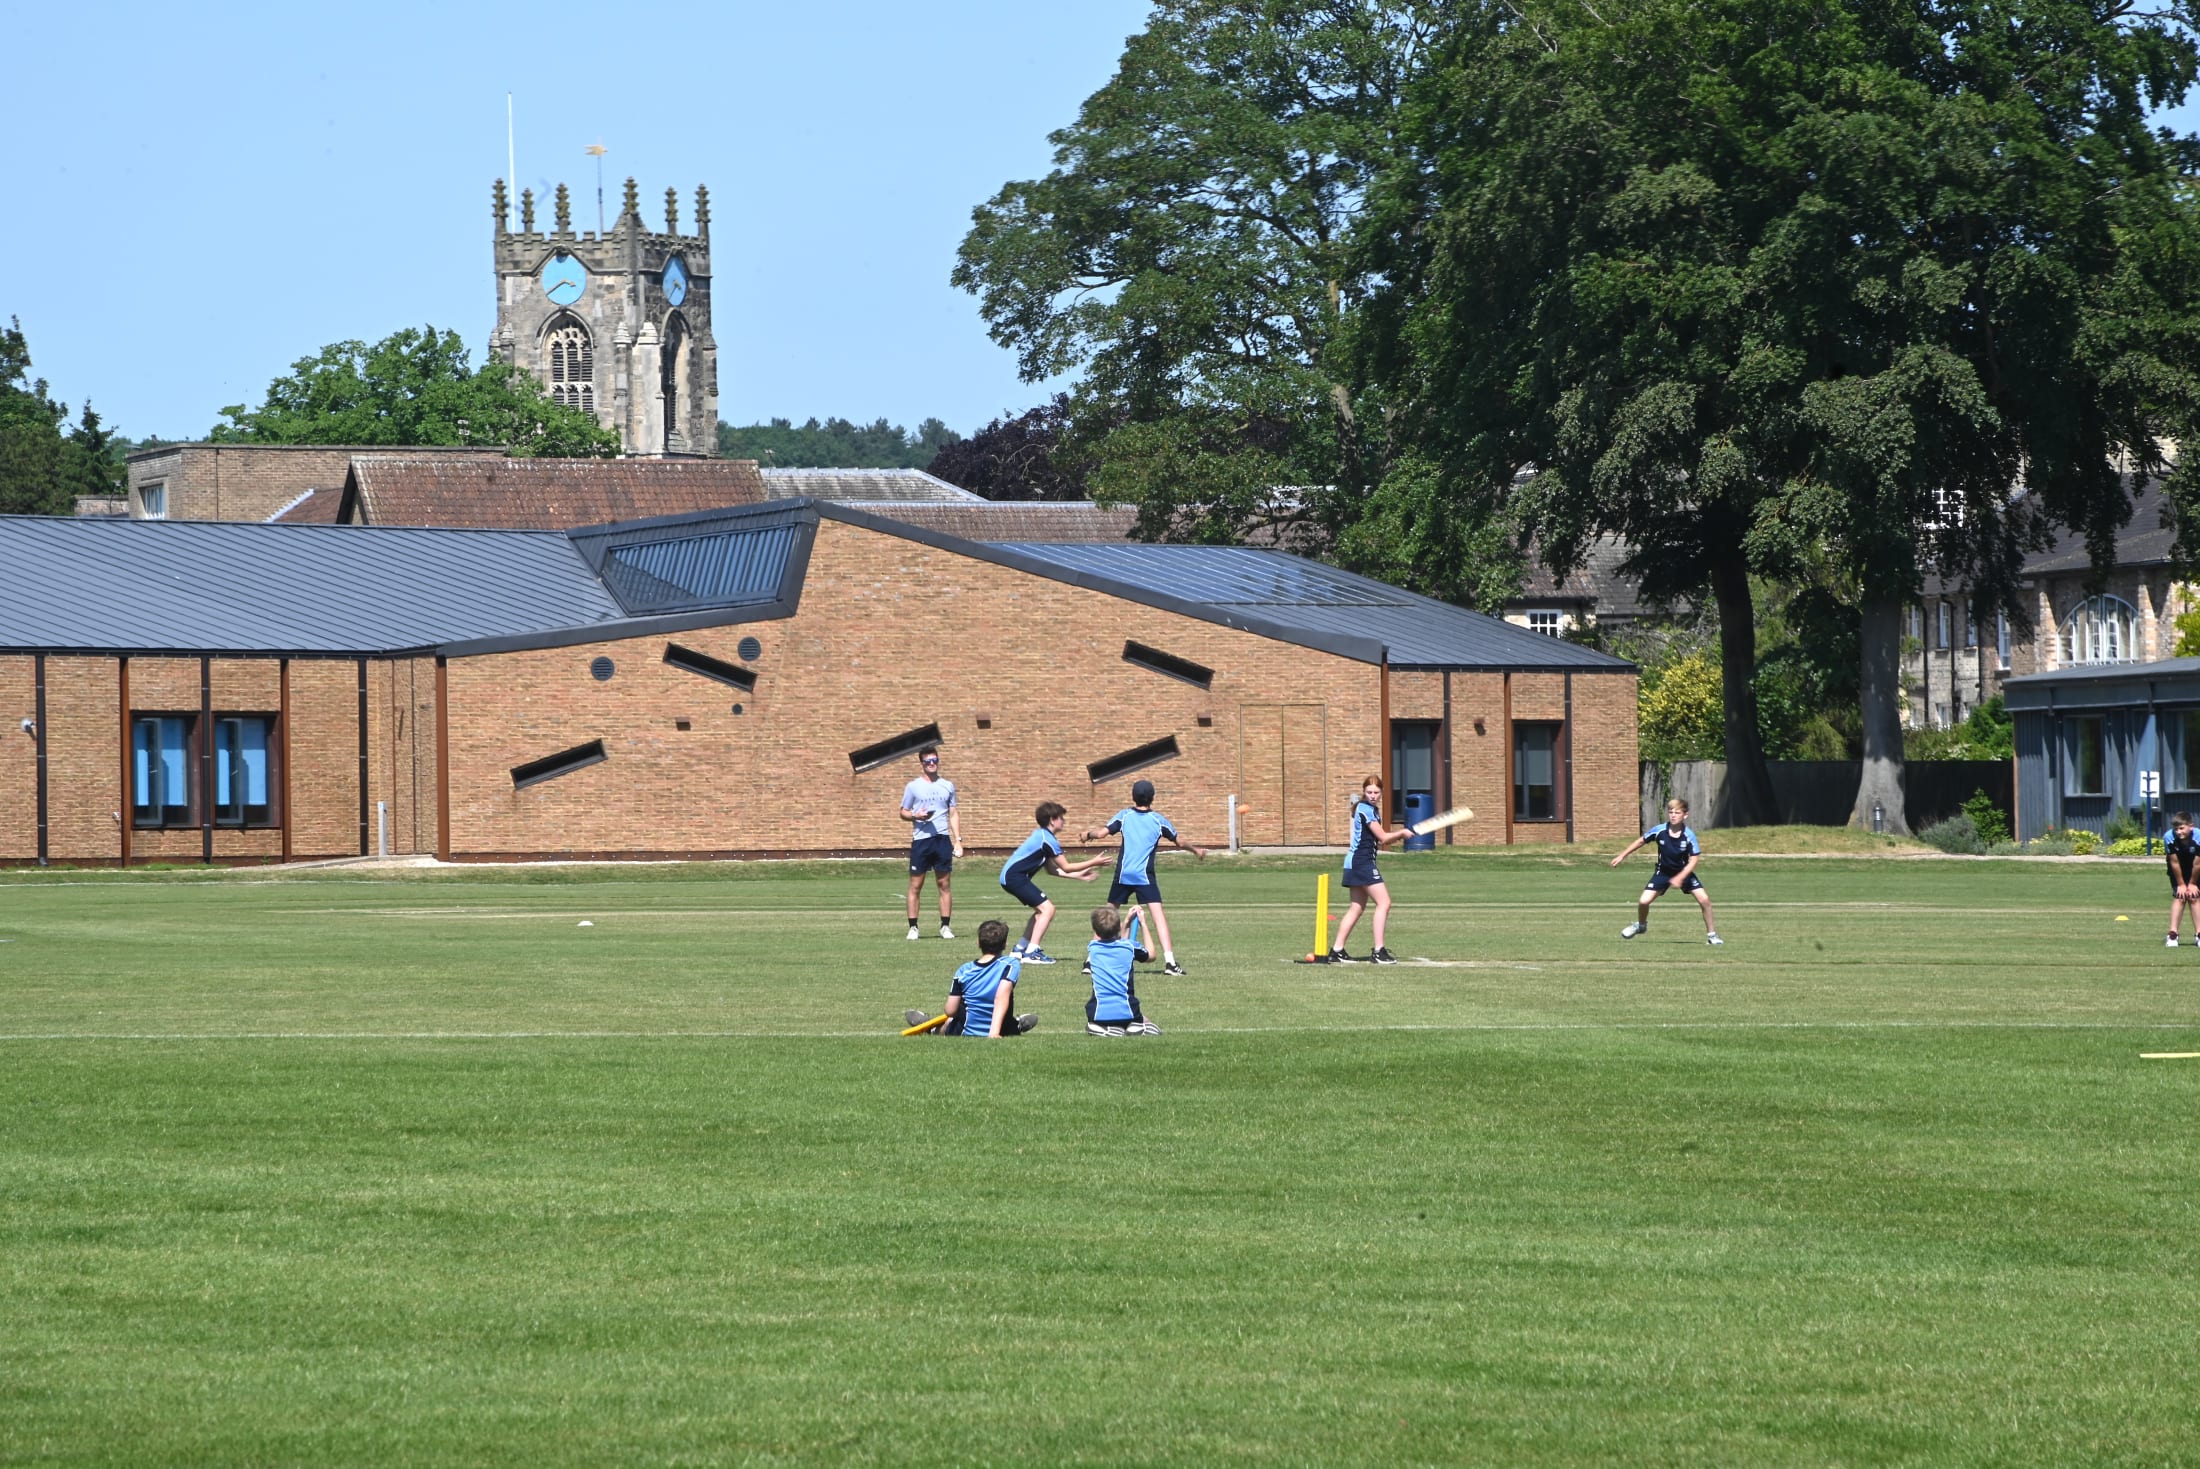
{"x": 236, "y": 481}
{"x": 18, "y": 760}
{"x": 891, "y": 636}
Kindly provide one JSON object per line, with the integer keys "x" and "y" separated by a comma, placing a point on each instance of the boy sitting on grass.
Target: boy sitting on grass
{"x": 1113, "y": 1009}
{"x": 983, "y": 990}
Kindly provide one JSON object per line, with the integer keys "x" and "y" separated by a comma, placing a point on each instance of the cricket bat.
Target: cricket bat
{"x": 933, "y": 1024}
{"x": 1441, "y": 820}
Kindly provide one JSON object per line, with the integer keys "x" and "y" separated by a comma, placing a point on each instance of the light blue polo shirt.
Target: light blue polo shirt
{"x": 935, "y": 796}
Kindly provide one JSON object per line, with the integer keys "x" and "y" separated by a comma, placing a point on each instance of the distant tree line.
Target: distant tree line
{"x": 835, "y": 443}
{"x": 45, "y": 461}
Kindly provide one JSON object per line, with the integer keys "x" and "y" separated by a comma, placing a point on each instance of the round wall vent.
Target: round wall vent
{"x": 751, "y": 649}
{"x": 737, "y": 708}
{"x": 602, "y": 669}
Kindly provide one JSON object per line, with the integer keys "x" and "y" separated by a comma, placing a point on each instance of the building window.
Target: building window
{"x": 241, "y": 767}
{"x": 565, "y": 762}
{"x": 1943, "y": 616}
{"x": 2001, "y": 641}
{"x": 164, "y": 760}
{"x": 153, "y": 499}
{"x": 885, "y": 752}
{"x": 1168, "y": 665}
{"x": 1970, "y": 625}
{"x": 1535, "y": 772}
{"x": 1153, "y": 753}
{"x": 2100, "y": 630}
{"x": 1917, "y": 625}
{"x": 2185, "y": 759}
{"x": 2085, "y": 770}
{"x": 1545, "y": 621}
{"x": 160, "y": 757}
{"x": 571, "y": 354}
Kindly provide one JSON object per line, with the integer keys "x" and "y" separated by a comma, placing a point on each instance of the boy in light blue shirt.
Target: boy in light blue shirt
{"x": 1113, "y": 1009}
{"x": 1041, "y": 851}
{"x": 1143, "y": 829}
{"x": 980, "y": 997}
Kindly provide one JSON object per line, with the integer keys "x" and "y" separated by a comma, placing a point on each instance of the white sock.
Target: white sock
{"x": 1168, "y": 956}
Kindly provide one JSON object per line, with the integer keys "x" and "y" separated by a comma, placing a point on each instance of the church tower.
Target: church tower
{"x": 615, "y": 322}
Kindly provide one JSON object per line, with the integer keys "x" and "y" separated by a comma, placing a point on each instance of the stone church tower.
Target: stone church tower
{"x": 617, "y": 322}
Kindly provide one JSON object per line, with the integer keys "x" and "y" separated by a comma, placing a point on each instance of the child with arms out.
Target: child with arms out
{"x": 1678, "y": 854}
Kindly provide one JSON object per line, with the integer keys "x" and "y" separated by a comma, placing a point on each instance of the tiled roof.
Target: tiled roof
{"x": 1597, "y": 584}
{"x": 2145, "y": 540}
{"x": 540, "y": 494}
{"x": 1017, "y": 520}
{"x": 857, "y": 485}
{"x": 314, "y": 507}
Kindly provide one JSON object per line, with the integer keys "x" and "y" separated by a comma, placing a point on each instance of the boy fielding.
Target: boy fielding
{"x": 1113, "y": 1009}
{"x": 1143, "y": 830}
{"x": 1678, "y": 854}
{"x": 1041, "y": 850}
{"x": 2182, "y": 850}
{"x": 1361, "y": 878}
{"x": 935, "y": 836}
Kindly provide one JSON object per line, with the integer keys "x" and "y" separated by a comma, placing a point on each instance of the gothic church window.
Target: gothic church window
{"x": 572, "y": 359}
{"x": 2100, "y": 630}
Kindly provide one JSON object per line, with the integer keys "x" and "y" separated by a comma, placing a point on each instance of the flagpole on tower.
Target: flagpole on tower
{"x": 596, "y": 151}
{"x": 511, "y": 164}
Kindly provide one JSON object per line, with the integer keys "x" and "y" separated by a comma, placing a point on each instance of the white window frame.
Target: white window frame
{"x": 1943, "y": 624}
{"x": 153, "y": 500}
{"x": 1548, "y": 621}
{"x": 2001, "y": 640}
{"x": 2101, "y": 629}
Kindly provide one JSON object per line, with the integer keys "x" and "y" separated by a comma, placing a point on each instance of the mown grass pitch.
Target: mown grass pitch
{"x": 338, "y": 1170}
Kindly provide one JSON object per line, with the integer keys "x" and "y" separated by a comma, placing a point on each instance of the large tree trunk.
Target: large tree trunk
{"x": 1748, "y": 799}
{"x": 1880, "y": 637}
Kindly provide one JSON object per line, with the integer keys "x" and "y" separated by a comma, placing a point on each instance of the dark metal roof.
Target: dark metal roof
{"x": 218, "y": 587}
{"x": 2106, "y": 685}
{"x": 1313, "y": 599}
{"x": 711, "y": 558}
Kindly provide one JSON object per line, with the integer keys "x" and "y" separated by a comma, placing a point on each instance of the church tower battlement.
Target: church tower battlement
{"x": 616, "y": 322}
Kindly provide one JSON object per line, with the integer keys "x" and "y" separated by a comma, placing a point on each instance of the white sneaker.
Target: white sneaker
{"x": 1714, "y": 940}
{"x": 912, "y": 933}
{"x": 946, "y": 932}
{"x": 2172, "y": 942}
{"x": 1628, "y": 932}
{"x": 1095, "y": 1027}
{"x": 1142, "y": 1027}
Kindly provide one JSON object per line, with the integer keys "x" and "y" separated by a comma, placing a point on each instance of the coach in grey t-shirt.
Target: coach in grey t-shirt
{"x": 935, "y": 836}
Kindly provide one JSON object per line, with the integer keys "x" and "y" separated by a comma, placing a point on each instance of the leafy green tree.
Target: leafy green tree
{"x": 32, "y": 449}
{"x": 1763, "y": 283}
{"x": 1191, "y": 263}
{"x": 1680, "y": 711}
{"x": 91, "y": 459}
{"x": 835, "y": 443}
{"x": 414, "y": 387}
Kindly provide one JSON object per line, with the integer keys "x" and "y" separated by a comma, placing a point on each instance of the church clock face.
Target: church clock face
{"x": 564, "y": 278}
{"x": 676, "y": 281}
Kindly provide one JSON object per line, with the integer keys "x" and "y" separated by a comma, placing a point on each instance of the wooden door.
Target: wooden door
{"x": 1283, "y": 774}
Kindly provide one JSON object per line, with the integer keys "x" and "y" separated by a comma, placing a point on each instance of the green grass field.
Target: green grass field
{"x": 413, "y": 1170}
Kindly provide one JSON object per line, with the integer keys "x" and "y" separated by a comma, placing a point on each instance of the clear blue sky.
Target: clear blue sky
{"x": 201, "y": 195}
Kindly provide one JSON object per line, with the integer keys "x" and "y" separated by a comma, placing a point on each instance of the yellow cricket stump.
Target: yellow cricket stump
{"x": 933, "y": 1024}
{"x": 1321, "y": 916}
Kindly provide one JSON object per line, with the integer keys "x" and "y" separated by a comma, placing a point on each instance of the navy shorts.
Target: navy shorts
{"x": 1148, "y": 891}
{"x": 1362, "y": 877}
{"x": 1023, "y": 890}
{"x": 1660, "y": 881}
{"x": 932, "y": 854}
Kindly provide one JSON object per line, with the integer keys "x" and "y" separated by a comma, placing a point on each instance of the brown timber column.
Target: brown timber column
{"x": 1389, "y": 795}
{"x": 1505, "y": 758}
{"x": 1448, "y": 801}
{"x": 364, "y": 849}
{"x": 442, "y": 760}
{"x": 129, "y": 796}
{"x": 39, "y": 715}
{"x": 282, "y": 720}
{"x": 1569, "y": 736}
{"x": 206, "y": 760}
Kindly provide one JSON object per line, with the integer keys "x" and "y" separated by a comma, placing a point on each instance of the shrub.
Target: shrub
{"x": 1956, "y": 834}
{"x": 1986, "y": 814}
{"x": 2053, "y": 843}
{"x": 1682, "y": 713}
{"x": 2084, "y": 843}
{"x": 2127, "y": 847}
{"x": 2124, "y": 825}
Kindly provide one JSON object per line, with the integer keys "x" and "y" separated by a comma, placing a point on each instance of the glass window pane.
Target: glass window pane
{"x": 1535, "y": 772}
{"x": 2186, "y": 727}
{"x": 2085, "y": 775}
{"x": 253, "y": 750}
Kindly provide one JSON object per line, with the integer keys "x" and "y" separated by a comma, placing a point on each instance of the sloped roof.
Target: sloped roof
{"x": 1287, "y": 595}
{"x": 865, "y": 484}
{"x": 1012, "y": 520}
{"x": 2145, "y": 540}
{"x": 204, "y": 586}
{"x": 314, "y": 507}
{"x": 1597, "y": 584}
{"x": 545, "y": 494}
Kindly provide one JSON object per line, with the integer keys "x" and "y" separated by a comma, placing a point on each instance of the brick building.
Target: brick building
{"x": 743, "y": 682}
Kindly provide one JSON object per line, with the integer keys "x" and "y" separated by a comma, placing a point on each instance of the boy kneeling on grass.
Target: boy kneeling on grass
{"x": 1113, "y": 1009}
{"x": 983, "y": 990}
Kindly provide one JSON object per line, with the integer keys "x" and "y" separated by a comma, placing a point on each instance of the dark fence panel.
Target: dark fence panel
{"x": 1823, "y": 792}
